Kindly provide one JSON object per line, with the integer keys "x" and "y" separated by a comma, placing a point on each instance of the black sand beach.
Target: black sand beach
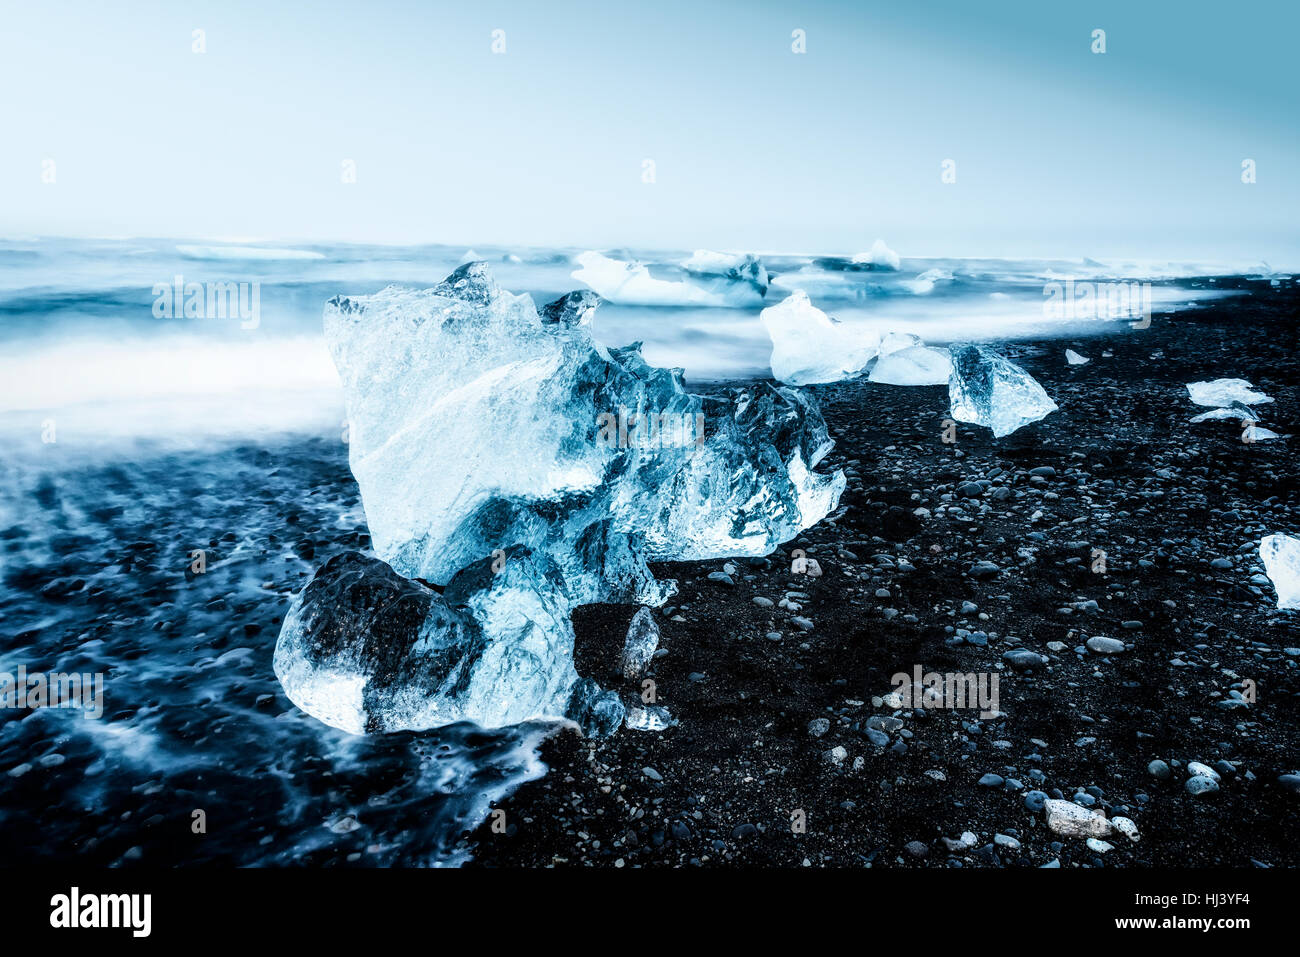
{"x": 1178, "y": 511}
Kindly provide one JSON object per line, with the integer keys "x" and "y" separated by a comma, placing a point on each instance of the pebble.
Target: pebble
{"x": 1066, "y": 817}
{"x": 1159, "y": 770}
{"x": 819, "y": 726}
{"x": 1201, "y": 784}
{"x": 1105, "y": 646}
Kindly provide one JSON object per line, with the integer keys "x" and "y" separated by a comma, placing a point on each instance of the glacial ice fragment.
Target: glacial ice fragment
{"x": 640, "y": 644}
{"x": 1281, "y": 556}
{"x": 880, "y": 257}
{"x": 1223, "y": 392}
{"x": 366, "y": 650}
{"x": 734, "y": 267}
{"x": 1236, "y": 411}
{"x": 508, "y": 456}
{"x": 987, "y": 389}
{"x": 915, "y": 365}
{"x": 630, "y": 283}
{"x": 1073, "y": 358}
{"x": 808, "y": 347}
{"x": 648, "y": 717}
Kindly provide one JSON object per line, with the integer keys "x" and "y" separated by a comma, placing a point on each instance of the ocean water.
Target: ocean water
{"x": 136, "y": 436}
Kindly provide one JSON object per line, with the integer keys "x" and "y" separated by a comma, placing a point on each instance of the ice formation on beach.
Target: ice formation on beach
{"x": 734, "y": 267}
{"x": 1073, "y": 358}
{"x": 1281, "y": 555}
{"x": 1224, "y": 392}
{"x": 989, "y": 390}
{"x": 630, "y": 283}
{"x": 1236, "y": 411}
{"x": 912, "y": 365}
{"x": 925, "y": 283}
{"x": 808, "y": 346}
{"x": 510, "y": 459}
{"x": 879, "y": 257}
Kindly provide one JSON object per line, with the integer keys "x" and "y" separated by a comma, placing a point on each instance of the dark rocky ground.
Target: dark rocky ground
{"x": 1178, "y": 510}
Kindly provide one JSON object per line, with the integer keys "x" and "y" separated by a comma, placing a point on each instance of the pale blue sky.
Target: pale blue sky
{"x": 1059, "y": 151}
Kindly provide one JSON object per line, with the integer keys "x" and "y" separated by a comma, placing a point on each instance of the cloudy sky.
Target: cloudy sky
{"x": 1057, "y": 150}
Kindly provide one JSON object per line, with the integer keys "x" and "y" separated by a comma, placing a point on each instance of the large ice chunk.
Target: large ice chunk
{"x": 630, "y": 283}
{"x": 1224, "y": 392}
{"x": 808, "y": 346}
{"x": 989, "y": 390}
{"x": 366, "y": 650}
{"x": 507, "y": 455}
{"x": 1281, "y": 555}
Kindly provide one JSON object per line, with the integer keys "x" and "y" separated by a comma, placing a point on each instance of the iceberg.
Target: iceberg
{"x": 1073, "y": 358}
{"x": 1281, "y": 556}
{"x": 630, "y": 283}
{"x": 809, "y": 347}
{"x": 1224, "y": 392}
{"x": 913, "y": 365}
{"x": 734, "y": 267}
{"x": 511, "y": 468}
{"x": 989, "y": 390}
{"x": 880, "y": 257}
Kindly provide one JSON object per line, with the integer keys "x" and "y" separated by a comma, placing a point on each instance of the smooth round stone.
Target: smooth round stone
{"x": 1159, "y": 770}
{"x": 1197, "y": 769}
{"x": 1200, "y": 784}
{"x": 1035, "y": 801}
{"x": 991, "y": 780}
{"x": 1105, "y": 646}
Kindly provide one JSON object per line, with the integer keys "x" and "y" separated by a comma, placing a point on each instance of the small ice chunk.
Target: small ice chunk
{"x": 924, "y": 283}
{"x": 736, "y": 267}
{"x": 630, "y": 283}
{"x": 915, "y": 365}
{"x": 650, "y": 717}
{"x": 1223, "y": 392}
{"x": 640, "y": 644}
{"x": 1074, "y": 359}
{"x": 880, "y": 257}
{"x": 987, "y": 389}
{"x": 1281, "y": 555}
{"x": 1253, "y": 433}
{"x": 1236, "y": 411}
{"x": 808, "y": 347}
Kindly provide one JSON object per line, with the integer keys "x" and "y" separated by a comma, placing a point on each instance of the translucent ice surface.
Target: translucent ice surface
{"x": 640, "y": 644}
{"x": 630, "y": 283}
{"x": 1281, "y": 555}
{"x": 879, "y": 257}
{"x": 989, "y": 390}
{"x": 808, "y": 346}
{"x": 1224, "y": 392}
{"x": 506, "y": 455}
{"x": 914, "y": 365}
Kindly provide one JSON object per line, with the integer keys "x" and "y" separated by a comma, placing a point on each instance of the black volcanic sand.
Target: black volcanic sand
{"x": 1178, "y": 510}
